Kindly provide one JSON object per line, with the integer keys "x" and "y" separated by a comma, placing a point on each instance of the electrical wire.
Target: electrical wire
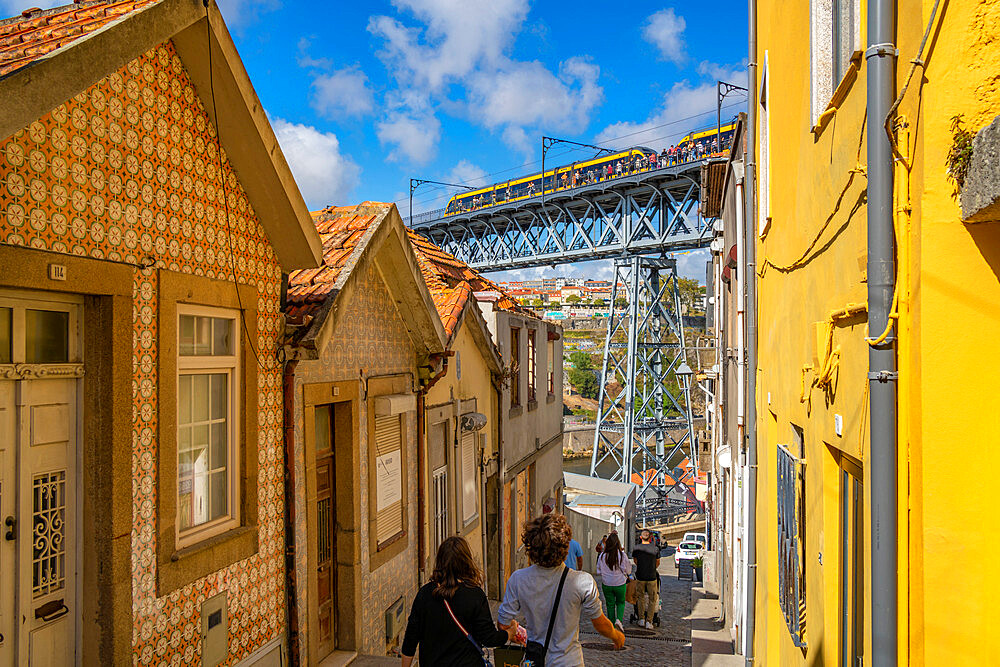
{"x": 572, "y": 150}
{"x": 806, "y": 256}
{"x": 225, "y": 192}
{"x": 918, "y": 60}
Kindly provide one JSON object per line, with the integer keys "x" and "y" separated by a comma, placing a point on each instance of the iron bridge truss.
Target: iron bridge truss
{"x": 644, "y": 419}
{"x": 649, "y": 212}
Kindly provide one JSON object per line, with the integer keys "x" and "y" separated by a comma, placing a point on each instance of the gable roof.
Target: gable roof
{"x": 47, "y": 57}
{"x": 351, "y": 237}
{"x": 453, "y": 286}
{"x": 452, "y": 281}
{"x": 36, "y": 32}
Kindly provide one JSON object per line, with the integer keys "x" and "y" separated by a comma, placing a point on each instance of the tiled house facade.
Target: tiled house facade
{"x": 118, "y": 205}
{"x": 363, "y": 334}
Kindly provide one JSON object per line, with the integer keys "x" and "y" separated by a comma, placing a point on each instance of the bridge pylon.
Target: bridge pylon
{"x": 644, "y": 418}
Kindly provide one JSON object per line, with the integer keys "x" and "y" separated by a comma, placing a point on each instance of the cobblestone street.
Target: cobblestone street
{"x": 669, "y": 644}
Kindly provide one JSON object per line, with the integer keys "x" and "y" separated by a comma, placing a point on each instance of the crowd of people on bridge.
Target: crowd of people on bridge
{"x": 583, "y": 176}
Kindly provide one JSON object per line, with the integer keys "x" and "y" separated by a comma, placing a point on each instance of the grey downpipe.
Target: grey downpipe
{"x": 750, "y": 309}
{"x": 880, "y": 60}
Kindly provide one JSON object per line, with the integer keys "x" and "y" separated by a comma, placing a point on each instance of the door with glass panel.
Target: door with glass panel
{"x": 41, "y": 363}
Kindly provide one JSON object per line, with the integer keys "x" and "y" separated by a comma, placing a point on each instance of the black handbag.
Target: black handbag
{"x": 534, "y": 653}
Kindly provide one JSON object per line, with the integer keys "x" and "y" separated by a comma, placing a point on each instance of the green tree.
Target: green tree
{"x": 692, "y": 294}
{"x": 572, "y": 298}
{"x": 581, "y": 376}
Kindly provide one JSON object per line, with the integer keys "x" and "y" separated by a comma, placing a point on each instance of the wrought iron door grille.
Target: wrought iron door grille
{"x": 48, "y": 533}
{"x": 791, "y": 593}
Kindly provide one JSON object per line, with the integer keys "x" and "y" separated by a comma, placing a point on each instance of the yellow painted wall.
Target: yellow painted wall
{"x": 954, "y": 335}
{"x": 475, "y": 383}
{"x": 811, "y": 262}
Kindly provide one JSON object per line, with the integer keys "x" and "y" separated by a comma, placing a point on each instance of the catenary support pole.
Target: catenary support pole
{"x": 750, "y": 283}
{"x": 880, "y": 60}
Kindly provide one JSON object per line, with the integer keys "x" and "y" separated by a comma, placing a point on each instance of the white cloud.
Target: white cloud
{"x": 239, "y": 13}
{"x": 465, "y": 44}
{"x": 691, "y": 264}
{"x": 414, "y": 135}
{"x": 324, "y": 174}
{"x": 458, "y": 37}
{"x": 344, "y": 92}
{"x": 467, "y": 173}
{"x": 527, "y": 94}
{"x": 665, "y": 31}
{"x": 685, "y": 107}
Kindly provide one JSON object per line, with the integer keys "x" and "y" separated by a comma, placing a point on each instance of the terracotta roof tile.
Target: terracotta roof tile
{"x": 451, "y": 282}
{"x": 341, "y": 229}
{"x": 25, "y": 38}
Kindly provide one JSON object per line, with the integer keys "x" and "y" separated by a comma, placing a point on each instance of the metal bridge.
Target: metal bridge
{"x": 645, "y": 213}
{"x": 644, "y": 413}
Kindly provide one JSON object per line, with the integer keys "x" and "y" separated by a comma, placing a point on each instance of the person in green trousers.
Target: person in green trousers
{"x": 614, "y": 567}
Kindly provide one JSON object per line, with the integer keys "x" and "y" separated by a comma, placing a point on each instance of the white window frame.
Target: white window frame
{"x": 439, "y": 487}
{"x": 764, "y": 169}
{"x": 199, "y": 365}
{"x": 468, "y": 439}
{"x": 825, "y": 79}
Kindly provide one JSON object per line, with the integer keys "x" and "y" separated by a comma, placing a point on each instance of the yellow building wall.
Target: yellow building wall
{"x": 811, "y": 262}
{"x": 475, "y": 383}
{"x": 953, "y": 331}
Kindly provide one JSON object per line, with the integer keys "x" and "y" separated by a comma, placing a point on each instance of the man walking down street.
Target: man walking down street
{"x": 647, "y": 579}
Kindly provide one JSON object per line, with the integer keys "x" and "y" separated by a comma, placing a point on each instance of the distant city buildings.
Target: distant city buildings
{"x": 568, "y": 297}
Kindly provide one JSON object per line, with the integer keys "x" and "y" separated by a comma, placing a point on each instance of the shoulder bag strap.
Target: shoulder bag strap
{"x": 555, "y": 607}
{"x": 479, "y": 649}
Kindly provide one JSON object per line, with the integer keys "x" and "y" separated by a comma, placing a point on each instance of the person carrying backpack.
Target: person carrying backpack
{"x": 552, "y": 598}
{"x": 614, "y": 567}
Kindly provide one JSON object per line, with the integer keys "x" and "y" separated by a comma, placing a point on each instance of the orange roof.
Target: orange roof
{"x": 36, "y": 32}
{"x": 342, "y": 230}
{"x": 451, "y": 283}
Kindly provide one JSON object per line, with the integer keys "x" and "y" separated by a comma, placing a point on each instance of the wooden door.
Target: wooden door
{"x": 326, "y": 534}
{"x": 326, "y": 555}
{"x": 40, "y": 370}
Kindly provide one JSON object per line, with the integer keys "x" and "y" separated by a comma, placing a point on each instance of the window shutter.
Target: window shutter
{"x": 468, "y": 476}
{"x": 387, "y": 494}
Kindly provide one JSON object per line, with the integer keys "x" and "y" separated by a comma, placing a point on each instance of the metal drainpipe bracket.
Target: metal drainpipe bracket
{"x": 884, "y": 49}
{"x": 883, "y": 376}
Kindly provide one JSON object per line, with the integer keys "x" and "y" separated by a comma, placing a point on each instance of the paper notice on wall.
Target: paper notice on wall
{"x": 388, "y": 480}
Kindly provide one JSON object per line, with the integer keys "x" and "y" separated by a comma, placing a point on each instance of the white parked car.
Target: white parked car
{"x": 696, "y": 537}
{"x": 687, "y": 550}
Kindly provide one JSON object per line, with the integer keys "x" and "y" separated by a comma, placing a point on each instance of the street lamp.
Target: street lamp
{"x": 684, "y": 370}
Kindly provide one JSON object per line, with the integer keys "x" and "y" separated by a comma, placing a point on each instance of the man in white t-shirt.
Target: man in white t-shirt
{"x": 532, "y": 590}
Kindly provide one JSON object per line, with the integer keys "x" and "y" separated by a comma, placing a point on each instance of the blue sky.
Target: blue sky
{"x": 365, "y": 95}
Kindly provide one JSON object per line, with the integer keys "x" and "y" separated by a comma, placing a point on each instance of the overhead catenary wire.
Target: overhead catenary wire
{"x": 486, "y": 178}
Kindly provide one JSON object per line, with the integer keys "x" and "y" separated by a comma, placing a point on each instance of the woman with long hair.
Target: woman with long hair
{"x": 450, "y": 619}
{"x": 614, "y": 567}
